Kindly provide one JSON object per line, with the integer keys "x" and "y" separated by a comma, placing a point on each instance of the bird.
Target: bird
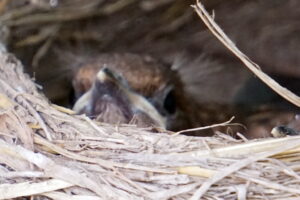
{"x": 132, "y": 88}
{"x": 291, "y": 128}
{"x": 282, "y": 131}
{"x": 111, "y": 100}
{"x": 127, "y": 87}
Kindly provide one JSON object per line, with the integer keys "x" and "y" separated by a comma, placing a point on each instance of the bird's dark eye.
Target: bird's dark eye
{"x": 170, "y": 102}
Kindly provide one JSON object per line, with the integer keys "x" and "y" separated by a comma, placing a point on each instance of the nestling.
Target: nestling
{"x": 117, "y": 88}
{"x": 111, "y": 100}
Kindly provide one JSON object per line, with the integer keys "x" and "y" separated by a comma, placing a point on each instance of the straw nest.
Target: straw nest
{"x": 47, "y": 152}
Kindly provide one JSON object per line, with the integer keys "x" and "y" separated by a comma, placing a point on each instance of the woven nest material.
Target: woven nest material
{"x": 49, "y": 153}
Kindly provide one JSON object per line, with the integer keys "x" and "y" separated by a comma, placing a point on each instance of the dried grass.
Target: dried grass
{"x": 252, "y": 66}
{"x": 46, "y": 151}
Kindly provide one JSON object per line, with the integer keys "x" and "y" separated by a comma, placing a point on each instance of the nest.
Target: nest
{"x": 47, "y": 152}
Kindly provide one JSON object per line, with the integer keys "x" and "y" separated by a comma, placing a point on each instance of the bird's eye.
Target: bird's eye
{"x": 170, "y": 102}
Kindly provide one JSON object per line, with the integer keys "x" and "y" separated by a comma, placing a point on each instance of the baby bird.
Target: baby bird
{"x": 118, "y": 88}
{"x": 111, "y": 100}
{"x": 292, "y": 128}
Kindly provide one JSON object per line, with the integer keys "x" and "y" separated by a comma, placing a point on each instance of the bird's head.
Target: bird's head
{"x": 110, "y": 99}
{"x": 138, "y": 85}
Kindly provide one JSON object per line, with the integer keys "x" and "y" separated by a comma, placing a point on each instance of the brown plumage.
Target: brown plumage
{"x": 155, "y": 82}
{"x": 159, "y": 88}
{"x": 111, "y": 100}
{"x": 144, "y": 74}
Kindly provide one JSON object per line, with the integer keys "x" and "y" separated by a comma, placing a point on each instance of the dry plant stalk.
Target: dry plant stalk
{"x": 227, "y": 123}
{"x": 83, "y": 159}
{"x": 252, "y": 66}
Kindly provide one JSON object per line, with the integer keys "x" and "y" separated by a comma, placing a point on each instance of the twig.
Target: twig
{"x": 42, "y": 51}
{"x": 218, "y": 32}
{"x": 29, "y": 107}
{"x": 239, "y": 165}
{"x": 63, "y": 16}
{"x": 227, "y": 123}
